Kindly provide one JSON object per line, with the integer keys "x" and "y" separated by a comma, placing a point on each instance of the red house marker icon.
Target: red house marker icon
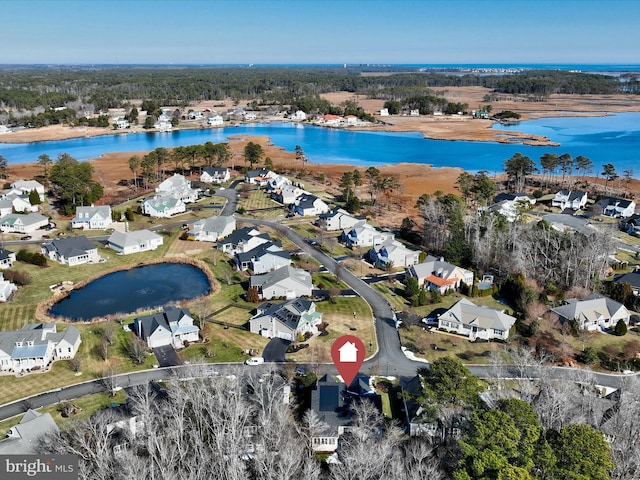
{"x": 348, "y": 354}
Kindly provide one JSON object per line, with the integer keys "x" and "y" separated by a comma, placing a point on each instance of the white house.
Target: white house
{"x": 195, "y": 115}
{"x": 16, "y": 203}
{"x": 135, "y": 241}
{"x": 163, "y": 206}
{"x": 350, "y": 120}
{"x": 286, "y": 320}
{"x": 298, "y": 116}
{"x": 288, "y": 194}
{"x": 92, "y": 218}
{"x": 21, "y": 223}
{"x": 278, "y": 182}
{"x": 215, "y": 175}
{"x": 361, "y": 234}
{"x": 71, "y": 250}
{"x": 414, "y": 113}
{"x": 575, "y": 200}
{"x": 436, "y": 274}
{"x": 6, "y": 288}
{"x": 243, "y": 240}
{"x": 384, "y": 112}
{"x": 392, "y": 252}
{"x": 27, "y": 186}
{"x": 331, "y": 120}
{"x": 173, "y": 326}
{"x": 212, "y": 229}
{"x": 308, "y": 205}
{"x": 474, "y": 321}
{"x": 250, "y": 116}
{"x": 617, "y": 207}
{"x": 215, "y": 120}
{"x": 36, "y": 346}
{"x": 507, "y": 208}
{"x": 7, "y": 257}
{"x": 263, "y": 258}
{"x": 163, "y": 123}
{"x": 122, "y": 123}
{"x": 4, "y": 129}
{"x": 178, "y": 187}
{"x": 337, "y": 219}
{"x": 287, "y": 282}
{"x": 593, "y": 312}
{"x": 259, "y": 176}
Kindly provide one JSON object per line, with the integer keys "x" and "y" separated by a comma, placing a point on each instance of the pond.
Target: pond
{"x": 127, "y": 291}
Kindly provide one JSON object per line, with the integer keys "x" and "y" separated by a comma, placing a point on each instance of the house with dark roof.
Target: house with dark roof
{"x": 617, "y": 207}
{"x": 259, "y": 176}
{"x": 23, "y": 437}
{"x": 263, "y": 258}
{"x": 575, "y": 200}
{"x": 476, "y": 321}
{"x": 329, "y": 402}
{"x": 215, "y": 175}
{"x": 71, "y": 250}
{"x": 36, "y": 346}
{"x": 172, "y": 326}
{"x": 286, "y": 320}
{"x": 308, "y": 205}
{"x": 595, "y": 312}
{"x": 243, "y": 240}
{"x": 515, "y": 197}
{"x": 7, "y": 257}
{"x": 287, "y": 282}
{"x": 632, "y": 278}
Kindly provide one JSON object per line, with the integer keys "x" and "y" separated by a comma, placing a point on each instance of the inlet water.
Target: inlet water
{"x": 127, "y": 291}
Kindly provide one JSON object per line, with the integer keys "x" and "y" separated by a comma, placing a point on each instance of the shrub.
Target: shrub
{"x": 129, "y": 215}
{"x": 621, "y": 328}
{"x": 18, "y": 277}
{"x": 589, "y": 356}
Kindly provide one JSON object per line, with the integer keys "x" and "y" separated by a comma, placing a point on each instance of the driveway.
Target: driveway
{"x": 167, "y": 356}
{"x": 275, "y": 350}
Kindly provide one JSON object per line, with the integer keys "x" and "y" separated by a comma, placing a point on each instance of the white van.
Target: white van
{"x": 254, "y": 361}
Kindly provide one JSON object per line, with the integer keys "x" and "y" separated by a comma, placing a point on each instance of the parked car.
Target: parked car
{"x": 26, "y": 237}
{"x": 254, "y": 361}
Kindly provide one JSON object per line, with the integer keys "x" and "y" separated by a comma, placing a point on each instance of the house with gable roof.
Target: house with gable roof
{"x": 172, "y": 326}
{"x": 337, "y": 219}
{"x": 23, "y": 437}
{"x": 92, "y": 218}
{"x": 263, "y": 258}
{"x": 392, "y": 252}
{"x": 16, "y": 202}
{"x": 288, "y": 194}
{"x": 134, "y": 241}
{"x": 277, "y": 182}
{"x": 213, "y": 228}
{"x": 215, "y": 120}
{"x": 287, "y": 282}
{"x": 27, "y": 186}
{"x": 215, "y": 175}
{"x": 163, "y": 206}
{"x": 71, "y": 250}
{"x": 361, "y": 234}
{"x": 7, "y": 257}
{"x": 243, "y": 240}
{"x": 307, "y": 205}
{"x": 21, "y": 223}
{"x": 594, "y": 312}
{"x": 575, "y": 200}
{"x": 177, "y": 186}
{"x": 617, "y": 207}
{"x": 286, "y": 320}
{"x": 475, "y": 321}
{"x": 298, "y": 116}
{"x": 259, "y": 176}
{"x": 632, "y": 278}
{"x": 436, "y": 274}
{"x": 36, "y": 345}
{"x": 6, "y": 288}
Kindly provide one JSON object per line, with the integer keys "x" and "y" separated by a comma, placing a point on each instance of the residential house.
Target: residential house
{"x": 575, "y": 200}
{"x": 92, "y": 218}
{"x": 212, "y": 229}
{"x": 331, "y": 120}
{"x": 392, "y": 253}
{"x": 288, "y": 194}
{"x": 384, "y": 112}
{"x": 263, "y": 258}
{"x": 617, "y": 207}
{"x": 7, "y": 257}
{"x": 287, "y": 320}
{"x": 121, "y": 123}
{"x": 350, "y": 120}
{"x": 298, "y": 116}
{"x": 15, "y": 202}
{"x": 250, "y": 116}
{"x": 361, "y": 234}
{"x": 521, "y": 198}
{"x": 172, "y": 326}
{"x": 135, "y": 241}
{"x": 308, "y": 205}
{"x": 215, "y": 175}
{"x": 475, "y": 321}
{"x": 287, "y": 282}
{"x": 178, "y": 187}
{"x": 595, "y": 312}
{"x": 631, "y": 224}
{"x": 195, "y": 115}
{"x": 27, "y": 186}
{"x": 329, "y": 402}
{"x": 436, "y": 274}
{"x": 36, "y": 346}
{"x": 277, "y": 182}
{"x": 4, "y": 129}
{"x": 6, "y": 288}
{"x": 22, "y": 223}
{"x": 259, "y": 176}
{"x": 414, "y": 113}
{"x": 632, "y": 278}
{"x": 71, "y": 250}
{"x": 23, "y": 437}
{"x": 163, "y": 123}
{"x": 507, "y": 208}
{"x": 163, "y": 206}
{"x": 215, "y": 120}
{"x": 243, "y": 240}
{"x": 337, "y": 219}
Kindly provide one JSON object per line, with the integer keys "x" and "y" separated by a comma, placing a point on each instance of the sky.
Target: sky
{"x": 320, "y": 31}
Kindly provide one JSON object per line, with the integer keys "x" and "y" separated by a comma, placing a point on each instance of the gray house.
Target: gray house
{"x": 287, "y": 282}
{"x": 212, "y": 229}
{"x": 71, "y": 251}
{"x": 593, "y": 312}
{"x": 286, "y": 320}
{"x": 23, "y": 437}
{"x": 264, "y": 258}
{"x": 173, "y": 326}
